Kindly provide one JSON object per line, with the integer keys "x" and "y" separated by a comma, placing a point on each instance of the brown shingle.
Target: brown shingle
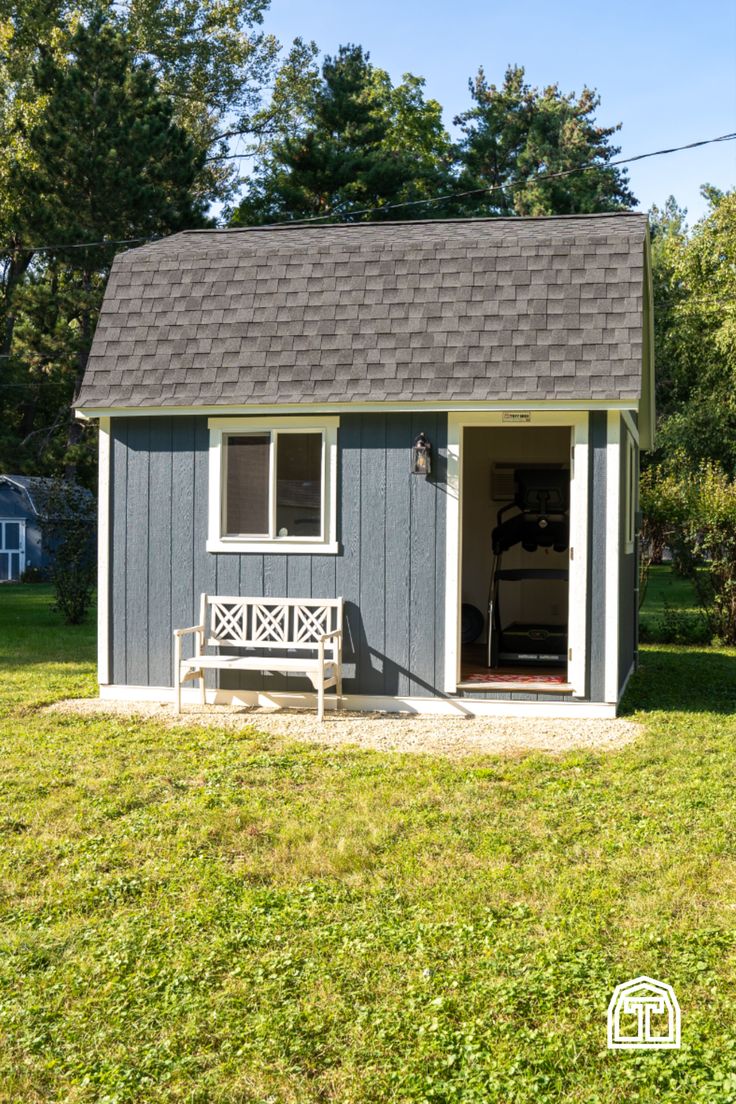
{"x": 464, "y": 309}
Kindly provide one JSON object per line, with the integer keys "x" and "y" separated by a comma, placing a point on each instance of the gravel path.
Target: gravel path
{"x": 449, "y": 736}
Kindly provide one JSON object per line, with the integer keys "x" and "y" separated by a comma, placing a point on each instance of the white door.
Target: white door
{"x": 12, "y": 548}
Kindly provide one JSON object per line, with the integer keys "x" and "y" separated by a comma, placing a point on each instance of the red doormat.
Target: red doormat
{"x": 481, "y": 677}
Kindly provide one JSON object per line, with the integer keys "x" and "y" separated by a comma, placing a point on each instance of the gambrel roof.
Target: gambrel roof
{"x": 446, "y": 310}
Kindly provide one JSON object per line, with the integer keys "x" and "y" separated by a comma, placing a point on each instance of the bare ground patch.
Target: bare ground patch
{"x": 404, "y": 732}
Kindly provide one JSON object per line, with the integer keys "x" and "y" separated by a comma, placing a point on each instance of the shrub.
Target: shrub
{"x": 695, "y": 514}
{"x": 678, "y": 627}
{"x": 711, "y": 533}
{"x": 68, "y": 524}
{"x": 33, "y": 575}
{"x": 665, "y": 510}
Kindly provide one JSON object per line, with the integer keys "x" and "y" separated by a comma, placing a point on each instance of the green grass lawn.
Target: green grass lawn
{"x": 200, "y": 915}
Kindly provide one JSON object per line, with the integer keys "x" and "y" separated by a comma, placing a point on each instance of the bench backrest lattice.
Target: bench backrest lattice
{"x": 293, "y": 623}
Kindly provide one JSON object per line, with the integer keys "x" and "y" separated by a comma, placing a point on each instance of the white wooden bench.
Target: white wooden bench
{"x": 311, "y": 627}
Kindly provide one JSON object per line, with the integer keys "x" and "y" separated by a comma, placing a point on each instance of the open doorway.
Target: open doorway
{"x": 515, "y": 556}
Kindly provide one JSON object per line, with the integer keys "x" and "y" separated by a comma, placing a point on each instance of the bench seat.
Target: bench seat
{"x": 255, "y": 663}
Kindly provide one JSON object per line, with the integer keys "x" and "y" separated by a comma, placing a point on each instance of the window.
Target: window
{"x": 630, "y": 486}
{"x": 272, "y": 485}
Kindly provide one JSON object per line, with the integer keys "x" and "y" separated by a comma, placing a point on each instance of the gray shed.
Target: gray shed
{"x": 438, "y": 422}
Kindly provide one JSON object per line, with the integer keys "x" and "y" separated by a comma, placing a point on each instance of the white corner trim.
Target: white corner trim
{"x": 577, "y": 609}
{"x": 103, "y": 555}
{"x": 453, "y": 555}
{"x": 631, "y": 425}
{"x": 429, "y": 706}
{"x": 327, "y": 544}
{"x": 630, "y": 473}
{"x": 613, "y": 567}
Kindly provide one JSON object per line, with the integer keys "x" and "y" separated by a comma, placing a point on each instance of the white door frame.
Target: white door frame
{"x": 577, "y": 605}
{"x": 20, "y": 551}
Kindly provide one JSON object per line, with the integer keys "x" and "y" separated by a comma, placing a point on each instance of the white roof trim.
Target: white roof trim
{"x": 86, "y": 413}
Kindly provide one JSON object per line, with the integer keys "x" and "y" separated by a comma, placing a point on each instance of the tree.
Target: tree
{"x": 363, "y": 143}
{"x": 68, "y": 521}
{"x": 515, "y": 135}
{"x": 103, "y": 161}
{"x": 694, "y": 276}
{"x": 211, "y": 59}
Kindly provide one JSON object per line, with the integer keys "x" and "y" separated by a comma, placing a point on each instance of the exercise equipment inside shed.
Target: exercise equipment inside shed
{"x": 540, "y": 521}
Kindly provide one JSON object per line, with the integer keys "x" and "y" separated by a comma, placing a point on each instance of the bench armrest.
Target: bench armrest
{"x": 329, "y": 635}
{"x": 189, "y": 629}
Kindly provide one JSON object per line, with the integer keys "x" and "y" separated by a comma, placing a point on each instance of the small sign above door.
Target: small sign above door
{"x": 516, "y": 416}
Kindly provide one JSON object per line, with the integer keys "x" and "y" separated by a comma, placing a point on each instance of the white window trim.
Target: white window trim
{"x": 326, "y": 543}
{"x": 577, "y": 610}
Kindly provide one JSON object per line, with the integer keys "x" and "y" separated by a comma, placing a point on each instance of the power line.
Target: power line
{"x": 514, "y": 184}
{"x": 81, "y": 245}
{"x": 415, "y": 202}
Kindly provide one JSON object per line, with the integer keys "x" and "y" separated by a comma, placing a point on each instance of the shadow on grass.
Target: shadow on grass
{"x": 684, "y": 680}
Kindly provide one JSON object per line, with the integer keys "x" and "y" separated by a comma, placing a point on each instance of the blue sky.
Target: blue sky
{"x": 665, "y": 70}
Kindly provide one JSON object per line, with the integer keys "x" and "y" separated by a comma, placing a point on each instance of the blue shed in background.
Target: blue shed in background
{"x": 21, "y": 545}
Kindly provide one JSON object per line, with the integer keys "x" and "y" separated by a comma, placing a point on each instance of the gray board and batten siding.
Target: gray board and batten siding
{"x": 390, "y": 569}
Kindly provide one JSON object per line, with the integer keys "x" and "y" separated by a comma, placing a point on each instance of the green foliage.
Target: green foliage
{"x": 711, "y": 528}
{"x": 108, "y": 161}
{"x": 515, "y": 134}
{"x": 32, "y": 575}
{"x": 68, "y": 520}
{"x": 358, "y": 142}
{"x": 105, "y": 160}
{"x": 694, "y": 277}
{"x": 694, "y": 513}
{"x": 200, "y": 914}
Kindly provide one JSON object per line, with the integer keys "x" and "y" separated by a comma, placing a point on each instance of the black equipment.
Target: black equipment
{"x": 541, "y": 520}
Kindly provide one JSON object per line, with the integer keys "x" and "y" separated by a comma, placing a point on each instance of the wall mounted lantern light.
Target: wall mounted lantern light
{"x": 421, "y": 456}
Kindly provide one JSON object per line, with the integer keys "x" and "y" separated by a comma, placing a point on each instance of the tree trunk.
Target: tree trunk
{"x": 74, "y": 434}
{"x": 18, "y": 265}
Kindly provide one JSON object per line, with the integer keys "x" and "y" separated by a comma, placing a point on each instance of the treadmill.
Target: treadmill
{"x": 540, "y": 519}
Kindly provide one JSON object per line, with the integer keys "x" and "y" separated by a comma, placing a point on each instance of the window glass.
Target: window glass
{"x": 12, "y": 535}
{"x": 299, "y": 485}
{"x": 247, "y": 484}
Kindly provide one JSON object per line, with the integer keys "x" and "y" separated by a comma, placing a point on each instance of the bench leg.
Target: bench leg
{"x": 338, "y": 686}
{"x": 177, "y": 692}
{"x": 321, "y": 700}
{"x": 202, "y": 689}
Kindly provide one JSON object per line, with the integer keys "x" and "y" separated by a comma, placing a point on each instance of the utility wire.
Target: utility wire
{"x": 81, "y": 245}
{"x": 415, "y": 202}
{"x": 516, "y": 183}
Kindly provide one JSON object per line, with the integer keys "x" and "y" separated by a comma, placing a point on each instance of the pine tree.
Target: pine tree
{"x": 104, "y": 162}
{"x": 515, "y": 135}
{"x": 364, "y": 144}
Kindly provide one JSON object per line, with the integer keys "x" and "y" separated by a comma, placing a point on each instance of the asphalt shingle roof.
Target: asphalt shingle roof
{"x": 383, "y": 312}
